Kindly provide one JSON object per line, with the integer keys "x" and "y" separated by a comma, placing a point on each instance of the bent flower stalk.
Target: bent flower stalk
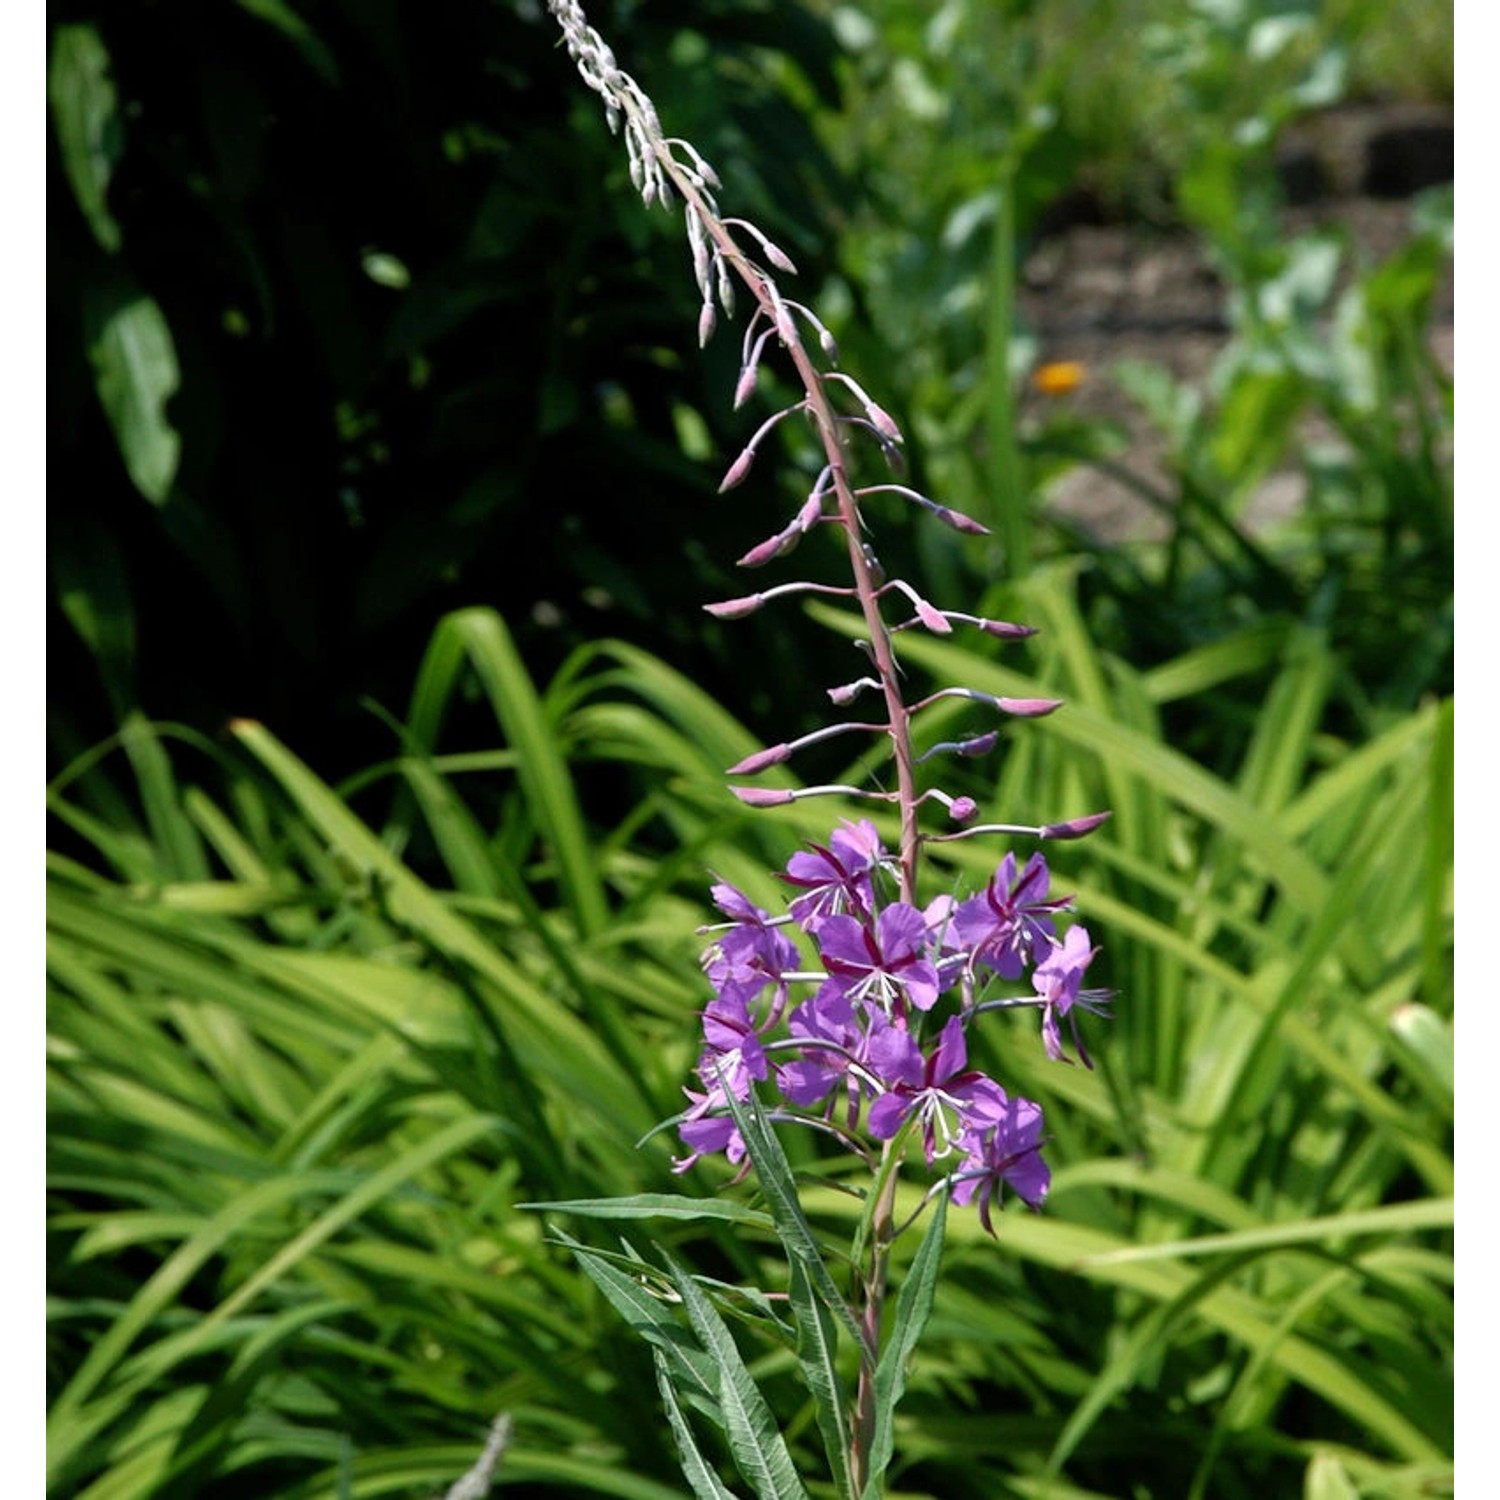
{"x": 854, "y": 1010}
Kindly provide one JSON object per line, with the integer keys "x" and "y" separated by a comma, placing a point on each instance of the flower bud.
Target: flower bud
{"x": 762, "y": 796}
{"x": 1028, "y": 708}
{"x": 745, "y": 387}
{"x": 735, "y": 609}
{"x": 706, "y": 322}
{"x": 737, "y": 470}
{"x": 934, "y": 619}
{"x": 772, "y": 547}
{"x": 959, "y": 521}
{"x": 882, "y": 422}
{"x": 963, "y": 809}
{"x": 981, "y": 744}
{"x": 778, "y": 257}
{"x": 1074, "y": 828}
{"x": 773, "y": 755}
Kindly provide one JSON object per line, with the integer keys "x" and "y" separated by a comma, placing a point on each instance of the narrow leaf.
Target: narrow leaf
{"x": 695, "y": 1468}
{"x": 749, "y": 1424}
{"x": 656, "y": 1206}
{"x": 913, "y": 1309}
{"x": 817, "y": 1354}
{"x": 774, "y": 1173}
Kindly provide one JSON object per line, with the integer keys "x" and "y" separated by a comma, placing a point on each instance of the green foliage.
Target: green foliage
{"x": 299, "y": 1094}
{"x": 354, "y": 327}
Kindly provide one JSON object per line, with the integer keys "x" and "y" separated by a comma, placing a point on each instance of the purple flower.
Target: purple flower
{"x": 1057, "y": 980}
{"x": 836, "y": 879}
{"x": 1011, "y": 920}
{"x": 948, "y": 1097}
{"x": 840, "y": 1045}
{"x": 1006, "y": 1148}
{"x": 734, "y": 1053}
{"x": 708, "y": 1128}
{"x": 884, "y": 965}
{"x": 751, "y": 955}
{"x": 732, "y": 1058}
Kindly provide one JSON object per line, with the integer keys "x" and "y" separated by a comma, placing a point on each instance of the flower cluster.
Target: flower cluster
{"x": 872, "y": 1044}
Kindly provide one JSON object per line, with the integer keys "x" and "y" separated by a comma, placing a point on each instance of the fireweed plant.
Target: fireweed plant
{"x": 852, "y": 1011}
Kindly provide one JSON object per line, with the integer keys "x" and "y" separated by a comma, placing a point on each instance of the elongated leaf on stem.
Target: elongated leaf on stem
{"x": 913, "y": 1309}
{"x": 691, "y": 1370}
{"x": 817, "y": 1354}
{"x": 657, "y": 1206}
{"x": 749, "y": 1423}
{"x": 774, "y": 1173}
{"x": 695, "y": 1468}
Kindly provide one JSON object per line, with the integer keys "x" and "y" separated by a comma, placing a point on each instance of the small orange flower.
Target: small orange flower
{"x": 1059, "y": 378}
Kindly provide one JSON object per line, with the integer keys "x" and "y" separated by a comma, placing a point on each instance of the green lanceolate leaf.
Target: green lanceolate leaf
{"x": 756, "y": 1442}
{"x": 656, "y": 1206}
{"x": 817, "y": 1355}
{"x": 695, "y": 1468}
{"x": 774, "y": 1173}
{"x": 913, "y": 1309}
{"x": 652, "y": 1317}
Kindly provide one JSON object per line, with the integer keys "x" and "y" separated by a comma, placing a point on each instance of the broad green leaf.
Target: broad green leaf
{"x": 691, "y": 1367}
{"x": 82, "y": 97}
{"x": 135, "y": 374}
{"x": 1327, "y": 1479}
{"x": 281, "y": 15}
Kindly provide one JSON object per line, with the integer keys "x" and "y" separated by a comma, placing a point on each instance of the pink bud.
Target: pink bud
{"x": 1028, "y": 708}
{"x": 963, "y": 809}
{"x": 1006, "y": 631}
{"x": 981, "y": 744}
{"x": 706, "y": 322}
{"x": 737, "y": 470}
{"x": 881, "y": 419}
{"x": 758, "y": 557}
{"x": 735, "y": 609}
{"x": 771, "y": 756}
{"x": 779, "y": 258}
{"x": 762, "y": 796}
{"x": 959, "y": 521}
{"x": 846, "y": 694}
{"x": 745, "y": 387}
{"x": 934, "y": 619}
{"x": 1074, "y": 828}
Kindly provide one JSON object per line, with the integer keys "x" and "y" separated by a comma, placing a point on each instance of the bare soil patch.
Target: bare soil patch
{"x": 1101, "y": 293}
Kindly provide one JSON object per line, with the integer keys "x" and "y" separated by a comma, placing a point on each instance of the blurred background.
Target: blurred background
{"x": 386, "y": 728}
